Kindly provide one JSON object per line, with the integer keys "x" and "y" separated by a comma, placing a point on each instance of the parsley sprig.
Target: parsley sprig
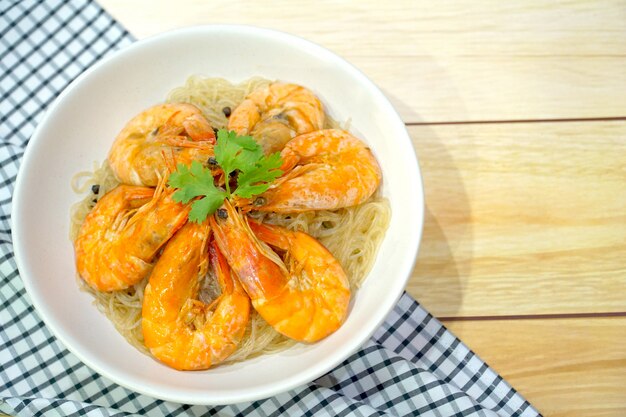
{"x": 234, "y": 154}
{"x": 195, "y": 182}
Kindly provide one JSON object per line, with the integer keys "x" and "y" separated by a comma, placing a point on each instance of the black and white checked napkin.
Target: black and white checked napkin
{"x": 411, "y": 366}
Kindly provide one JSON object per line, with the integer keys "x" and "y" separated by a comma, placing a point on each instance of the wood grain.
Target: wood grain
{"x": 444, "y": 61}
{"x": 565, "y": 367}
{"x": 522, "y": 218}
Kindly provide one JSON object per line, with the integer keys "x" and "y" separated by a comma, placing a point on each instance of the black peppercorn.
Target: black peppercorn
{"x": 95, "y": 188}
{"x": 212, "y": 161}
{"x": 222, "y": 213}
{"x": 226, "y": 111}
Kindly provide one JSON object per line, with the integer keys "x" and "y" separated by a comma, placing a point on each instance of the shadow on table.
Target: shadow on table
{"x": 444, "y": 260}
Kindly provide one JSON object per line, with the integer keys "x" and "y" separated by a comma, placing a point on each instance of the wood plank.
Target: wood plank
{"x": 522, "y": 218}
{"x": 564, "y": 367}
{"x": 445, "y": 61}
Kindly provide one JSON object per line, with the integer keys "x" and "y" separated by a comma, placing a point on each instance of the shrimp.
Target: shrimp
{"x": 180, "y": 330}
{"x": 122, "y": 234}
{"x": 305, "y": 299}
{"x": 275, "y": 114}
{"x": 325, "y": 170}
{"x": 136, "y": 155}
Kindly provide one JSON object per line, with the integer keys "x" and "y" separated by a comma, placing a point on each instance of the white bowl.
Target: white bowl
{"x": 78, "y": 129}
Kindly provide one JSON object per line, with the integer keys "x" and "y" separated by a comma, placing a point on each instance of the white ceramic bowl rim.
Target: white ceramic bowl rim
{"x": 413, "y": 199}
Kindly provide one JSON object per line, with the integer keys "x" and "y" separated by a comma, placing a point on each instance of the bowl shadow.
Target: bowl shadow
{"x": 443, "y": 264}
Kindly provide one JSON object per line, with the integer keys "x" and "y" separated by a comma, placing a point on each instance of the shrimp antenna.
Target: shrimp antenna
{"x": 158, "y": 192}
{"x": 170, "y": 163}
{"x": 263, "y": 247}
{"x": 160, "y": 186}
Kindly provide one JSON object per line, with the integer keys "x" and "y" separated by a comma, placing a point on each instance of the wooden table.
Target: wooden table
{"x": 517, "y": 112}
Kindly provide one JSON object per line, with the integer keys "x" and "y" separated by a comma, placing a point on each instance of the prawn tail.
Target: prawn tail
{"x": 199, "y": 129}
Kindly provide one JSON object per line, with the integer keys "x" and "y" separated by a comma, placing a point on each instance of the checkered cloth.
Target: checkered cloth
{"x": 411, "y": 366}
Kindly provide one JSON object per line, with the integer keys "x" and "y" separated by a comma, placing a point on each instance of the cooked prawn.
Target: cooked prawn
{"x": 178, "y": 129}
{"x": 122, "y": 234}
{"x": 305, "y": 297}
{"x": 325, "y": 170}
{"x": 276, "y": 113}
{"x": 178, "y": 328}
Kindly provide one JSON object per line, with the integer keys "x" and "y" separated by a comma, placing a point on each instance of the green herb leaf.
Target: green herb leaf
{"x": 233, "y": 153}
{"x": 191, "y": 182}
{"x": 258, "y": 179}
{"x": 202, "y": 208}
{"x": 195, "y": 182}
